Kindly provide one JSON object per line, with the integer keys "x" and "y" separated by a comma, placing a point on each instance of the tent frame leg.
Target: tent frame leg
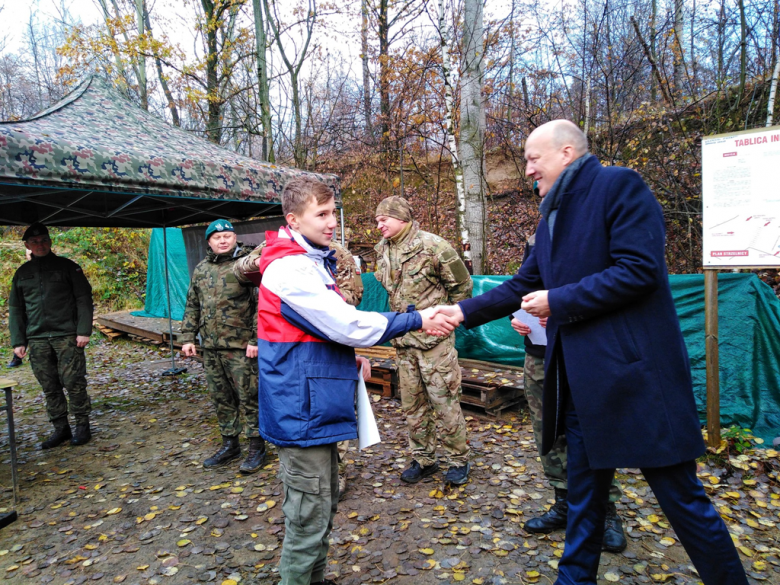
{"x": 173, "y": 371}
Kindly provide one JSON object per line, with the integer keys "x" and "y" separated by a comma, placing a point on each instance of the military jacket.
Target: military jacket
{"x": 423, "y": 270}
{"x": 50, "y": 297}
{"x": 347, "y": 276}
{"x": 219, "y": 307}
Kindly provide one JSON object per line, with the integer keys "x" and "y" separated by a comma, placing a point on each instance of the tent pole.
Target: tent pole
{"x": 174, "y": 371}
{"x": 341, "y": 212}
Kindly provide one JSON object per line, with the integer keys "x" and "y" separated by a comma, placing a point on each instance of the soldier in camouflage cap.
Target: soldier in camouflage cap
{"x": 50, "y": 316}
{"x": 421, "y": 269}
{"x": 223, "y": 311}
{"x": 351, "y": 288}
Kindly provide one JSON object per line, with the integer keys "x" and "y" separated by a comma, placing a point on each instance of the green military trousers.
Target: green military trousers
{"x": 58, "y": 363}
{"x": 554, "y": 463}
{"x": 310, "y": 479}
{"x": 232, "y": 381}
{"x": 429, "y": 381}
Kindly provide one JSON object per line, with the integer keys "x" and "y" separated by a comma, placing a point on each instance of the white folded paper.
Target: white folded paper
{"x": 368, "y": 432}
{"x": 538, "y": 335}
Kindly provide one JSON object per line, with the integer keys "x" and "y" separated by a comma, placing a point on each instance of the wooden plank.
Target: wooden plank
{"x": 141, "y": 326}
{"x": 712, "y": 356}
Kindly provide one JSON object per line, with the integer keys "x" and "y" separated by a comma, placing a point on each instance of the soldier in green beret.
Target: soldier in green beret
{"x": 422, "y": 270}
{"x": 50, "y": 317}
{"x": 223, "y": 312}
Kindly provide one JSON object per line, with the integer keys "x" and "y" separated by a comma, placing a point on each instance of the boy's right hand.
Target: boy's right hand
{"x": 188, "y": 349}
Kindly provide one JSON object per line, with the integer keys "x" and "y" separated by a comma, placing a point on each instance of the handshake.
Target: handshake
{"x": 441, "y": 320}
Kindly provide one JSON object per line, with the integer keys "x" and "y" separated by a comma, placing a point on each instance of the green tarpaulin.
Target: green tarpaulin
{"x": 749, "y": 335}
{"x": 156, "y": 304}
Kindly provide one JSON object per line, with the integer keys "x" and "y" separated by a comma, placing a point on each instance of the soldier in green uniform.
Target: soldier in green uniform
{"x": 223, "y": 311}
{"x": 351, "y": 287}
{"x": 554, "y": 462}
{"x": 50, "y": 317}
{"x": 421, "y": 269}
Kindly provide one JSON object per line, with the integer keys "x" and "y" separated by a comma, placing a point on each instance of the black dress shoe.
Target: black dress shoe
{"x": 416, "y": 472}
{"x": 82, "y": 435}
{"x": 60, "y": 435}
{"x": 229, "y": 450}
{"x": 458, "y": 475}
{"x": 255, "y": 457}
{"x": 554, "y": 519}
{"x": 614, "y": 538}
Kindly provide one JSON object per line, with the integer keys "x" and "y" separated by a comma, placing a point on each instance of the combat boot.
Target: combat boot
{"x": 60, "y": 435}
{"x": 342, "y": 485}
{"x": 229, "y": 450}
{"x": 255, "y": 457}
{"x": 458, "y": 475}
{"x": 415, "y": 472}
{"x": 82, "y": 434}
{"x": 614, "y": 538}
{"x": 554, "y": 518}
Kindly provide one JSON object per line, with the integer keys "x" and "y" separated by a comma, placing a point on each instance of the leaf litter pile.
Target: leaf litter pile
{"x": 136, "y": 506}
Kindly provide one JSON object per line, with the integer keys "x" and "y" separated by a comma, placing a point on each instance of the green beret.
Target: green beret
{"x": 219, "y": 225}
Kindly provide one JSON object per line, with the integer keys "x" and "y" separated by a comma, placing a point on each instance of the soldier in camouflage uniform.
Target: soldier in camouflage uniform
{"x": 554, "y": 463}
{"x": 351, "y": 287}
{"x": 50, "y": 316}
{"x": 421, "y": 269}
{"x": 223, "y": 311}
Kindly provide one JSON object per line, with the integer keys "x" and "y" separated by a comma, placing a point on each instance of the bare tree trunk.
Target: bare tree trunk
{"x": 163, "y": 80}
{"x": 449, "y": 122}
{"x": 294, "y": 68}
{"x": 120, "y": 68}
{"x": 677, "y": 47}
{"x": 653, "y": 64}
{"x": 770, "y": 107}
{"x": 472, "y": 131}
{"x": 140, "y": 8}
{"x": 721, "y": 43}
{"x": 214, "y": 120}
{"x": 742, "y": 48}
{"x": 366, "y": 72}
{"x": 384, "y": 74}
{"x": 653, "y": 57}
{"x": 261, "y": 46}
{"x": 587, "y": 109}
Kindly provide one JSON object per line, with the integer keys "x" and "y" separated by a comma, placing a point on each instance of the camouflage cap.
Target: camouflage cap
{"x": 396, "y": 207}
{"x": 219, "y": 225}
{"x": 36, "y": 229}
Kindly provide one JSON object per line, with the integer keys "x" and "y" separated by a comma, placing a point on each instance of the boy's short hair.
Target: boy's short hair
{"x": 298, "y": 192}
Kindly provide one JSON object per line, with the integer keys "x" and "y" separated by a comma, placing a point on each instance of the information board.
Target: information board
{"x": 741, "y": 198}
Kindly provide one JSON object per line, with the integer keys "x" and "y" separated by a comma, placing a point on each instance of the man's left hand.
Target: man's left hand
{"x": 82, "y": 340}
{"x": 251, "y": 351}
{"x": 361, "y": 361}
{"x": 536, "y": 304}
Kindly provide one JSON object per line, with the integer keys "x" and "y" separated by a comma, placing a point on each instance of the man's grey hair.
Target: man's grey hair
{"x": 565, "y": 133}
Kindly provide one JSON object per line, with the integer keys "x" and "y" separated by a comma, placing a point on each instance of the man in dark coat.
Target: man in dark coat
{"x": 617, "y": 374}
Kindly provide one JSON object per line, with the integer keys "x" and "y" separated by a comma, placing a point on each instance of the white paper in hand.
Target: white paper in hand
{"x": 368, "y": 432}
{"x": 538, "y": 335}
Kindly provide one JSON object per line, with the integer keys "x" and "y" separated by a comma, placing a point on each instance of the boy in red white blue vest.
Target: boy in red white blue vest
{"x": 308, "y": 369}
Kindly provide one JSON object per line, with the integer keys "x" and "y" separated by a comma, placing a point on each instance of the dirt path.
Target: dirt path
{"x": 135, "y": 505}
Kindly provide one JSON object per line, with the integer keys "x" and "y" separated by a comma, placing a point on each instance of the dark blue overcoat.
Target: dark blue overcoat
{"x": 614, "y": 320}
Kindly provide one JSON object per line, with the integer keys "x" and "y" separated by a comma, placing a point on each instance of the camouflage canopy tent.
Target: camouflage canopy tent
{"x": 94, "y": 159}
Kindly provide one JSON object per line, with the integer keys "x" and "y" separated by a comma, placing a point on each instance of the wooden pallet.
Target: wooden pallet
{"x": 382, "y": 382}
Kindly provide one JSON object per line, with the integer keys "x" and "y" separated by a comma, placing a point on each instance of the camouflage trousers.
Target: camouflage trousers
{"x": 232, "y": 383}
{"x": 554, "y": 463}
{"x": 429, "y": 381}
{"x": 58, "y": 363}
{"x": 342, "y": 447}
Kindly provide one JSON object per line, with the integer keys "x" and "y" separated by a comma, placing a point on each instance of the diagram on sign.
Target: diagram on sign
{"x": 740, "y": 235}
{"x": 741, "y": 199}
